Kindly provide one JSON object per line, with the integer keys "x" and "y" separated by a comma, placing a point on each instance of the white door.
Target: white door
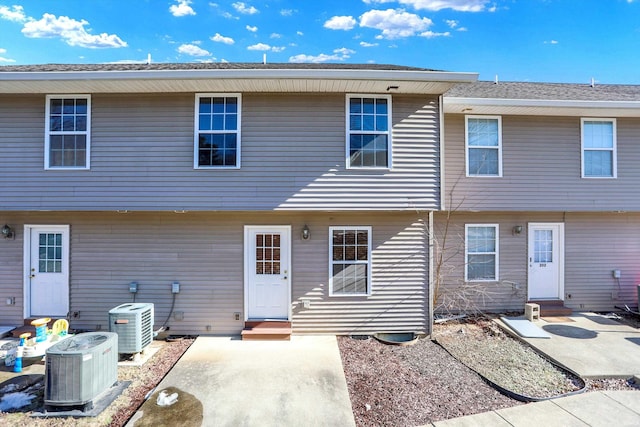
{"x": 546, "y": 261}
{"x": 267, "y": 272}
{"x": 46, "y": 271}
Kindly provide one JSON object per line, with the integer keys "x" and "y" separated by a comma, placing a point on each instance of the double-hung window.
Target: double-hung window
{"x": 217, "y": 131}
{"x": 369, "y": 131}
{"x": 599, "y": 148}
{"x": 67, "y": 132}
{"x": 481, "y": 252}
{"x": 484, "y": 146}
{"x": 349, "y": 261}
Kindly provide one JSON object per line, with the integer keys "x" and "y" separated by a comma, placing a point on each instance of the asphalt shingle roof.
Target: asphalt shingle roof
{"x": 546, "y": 91}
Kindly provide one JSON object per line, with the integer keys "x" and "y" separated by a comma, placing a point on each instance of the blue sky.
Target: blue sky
{"x": 518, "y": 40}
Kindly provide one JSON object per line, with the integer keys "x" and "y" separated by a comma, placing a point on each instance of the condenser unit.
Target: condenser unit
{"x": 80, "y": 368}
{"x": 134, "y": 325}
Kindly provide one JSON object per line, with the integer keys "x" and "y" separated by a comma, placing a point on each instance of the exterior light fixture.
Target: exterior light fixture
{"x": 7, "y": 232}
{"x": 517, "y": 230}
{"x": 305, "y": 232}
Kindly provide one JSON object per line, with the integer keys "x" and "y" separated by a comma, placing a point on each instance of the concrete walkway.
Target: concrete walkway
{"x": 229, "y": 382}
{"x": 595, "y": 409}
{"x": 591, "y": 345}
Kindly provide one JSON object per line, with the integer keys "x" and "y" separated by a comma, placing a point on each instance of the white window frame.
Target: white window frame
{"x": 496, "y": 254}
{"x": 367, "y": 262}
{"x": 613, "y": 149}
{"x": 196, "y": 130}
{"x": 468, "y": 147}
{"x": 48, "y": 132}
{"x": 388, "y": 132}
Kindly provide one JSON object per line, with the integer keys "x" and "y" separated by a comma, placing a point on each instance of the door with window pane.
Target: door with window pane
{"x": 267, "y": 287}
{"x": 48, "y": 271}
{"x": 546, "y": 260}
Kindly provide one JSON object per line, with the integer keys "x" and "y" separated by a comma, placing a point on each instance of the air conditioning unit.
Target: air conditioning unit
{"x": 80, "y": 368}
{"x": 134, "y": 325}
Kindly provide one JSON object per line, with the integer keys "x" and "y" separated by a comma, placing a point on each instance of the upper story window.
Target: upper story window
{"x": 217, "y": 131}
{"x": 67, "y": 132}
{"x": 484, "y": 146}
{"x": 369, "y": 131}
{"x": 599, "y": 148}
{"x": 349, "y": 261}
{"x": 481, "y": 252}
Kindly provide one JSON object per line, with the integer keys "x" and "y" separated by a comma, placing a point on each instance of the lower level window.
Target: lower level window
{"x": 350, "y": 260}
{"x": 481, "y": 252}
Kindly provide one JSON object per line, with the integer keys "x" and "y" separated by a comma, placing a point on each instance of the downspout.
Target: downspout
{"x": 441, "y": 153}
{"x": 430, "y": 277}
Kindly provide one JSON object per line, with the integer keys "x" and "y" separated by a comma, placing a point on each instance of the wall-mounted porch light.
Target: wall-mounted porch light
{"x": 7, "y": 232}
{"x": 305, "y": 232}
{"x": 517, "y": 230}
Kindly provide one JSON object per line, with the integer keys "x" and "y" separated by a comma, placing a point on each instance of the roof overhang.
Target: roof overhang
{"x": 233, "y": 80}
{"x": 541, "y": 107}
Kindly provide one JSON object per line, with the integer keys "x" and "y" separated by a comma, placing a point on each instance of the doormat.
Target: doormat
{"x": 557, "y": 319}
{"x": 525, "y": 328}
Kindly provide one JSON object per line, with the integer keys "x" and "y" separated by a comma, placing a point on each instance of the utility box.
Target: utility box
{"x": 134, "y": 325}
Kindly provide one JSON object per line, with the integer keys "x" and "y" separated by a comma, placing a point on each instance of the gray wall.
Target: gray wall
{"x": 541, "y": 168}
{"x": 595, "y": 244}
{"x": 293, "y": 157}
{"x": 204, "y": 252}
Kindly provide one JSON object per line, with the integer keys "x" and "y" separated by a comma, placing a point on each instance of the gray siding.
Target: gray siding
{"x": 293, "y": 157}
{"x": 595, "y": 244}
{"x": 204, "y": 252}
{"x": 542, "y": 169}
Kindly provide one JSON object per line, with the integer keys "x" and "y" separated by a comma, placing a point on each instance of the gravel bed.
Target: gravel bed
{"x": 413, "y": 385}
{"x": 423, "y": 383}
{"x": 485, "y": 348}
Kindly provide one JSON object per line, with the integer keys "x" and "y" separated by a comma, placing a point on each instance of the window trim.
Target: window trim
{"x": 496, "y": 253}
{"x": 467, "y": 146}
{"x": 368, "y": 262}
{"x": 389, "y": 131}
{"x": 196, "y": 130}
{"x": 48, "y": 133}
{"x": 613, "y": 149}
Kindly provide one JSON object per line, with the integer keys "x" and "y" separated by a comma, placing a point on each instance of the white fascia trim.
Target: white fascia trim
{"x": 552, "y": 103}
{"x": 397, "y": 75}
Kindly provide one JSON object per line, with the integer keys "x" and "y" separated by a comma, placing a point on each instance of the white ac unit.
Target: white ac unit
{"x": 134, "y": 325}
{"x": 80, "y": 368}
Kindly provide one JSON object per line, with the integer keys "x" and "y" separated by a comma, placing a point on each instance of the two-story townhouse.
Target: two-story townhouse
{"x": 541, "y": 195}
{"x": 293, "y": 192}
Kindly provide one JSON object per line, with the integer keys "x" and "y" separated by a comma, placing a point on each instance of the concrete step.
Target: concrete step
{"x": 553, "y": 308}
{"x": 267, "y": 330}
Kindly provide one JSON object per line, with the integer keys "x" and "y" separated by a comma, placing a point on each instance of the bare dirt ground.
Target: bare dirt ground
{"x": 423, "y": 383}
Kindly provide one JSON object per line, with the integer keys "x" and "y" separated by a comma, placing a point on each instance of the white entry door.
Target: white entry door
{"x": 546, "y": 261}
{"x": 267, "y": 272}
{"x": 46, "y": 271}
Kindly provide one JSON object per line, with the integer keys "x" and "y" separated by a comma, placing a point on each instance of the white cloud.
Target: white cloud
{"x": 71, "y": 31}
{"x": 340, "y": 23}
{"x": 266, "y": 48}
{"x": 240, "y": 7}
{"x": 435, "y": 5}
{"x": 193, "y": 50}
{"x": 182, "y": 8}
{"x": 551, "y": 42}
{"x": 15, "y": 13}
{"x": 287, "y": 12}
{"x": 3, "y": 59}
{"x": 252, "y": 29}
{"x": 222, "y": 39}
{"x": 338, "y": 55}
{"x": 275, "y": 36}
{"x": 394, "y": 23}
{"x": 431, "y": 34}
{"x": 366, "y": 44}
